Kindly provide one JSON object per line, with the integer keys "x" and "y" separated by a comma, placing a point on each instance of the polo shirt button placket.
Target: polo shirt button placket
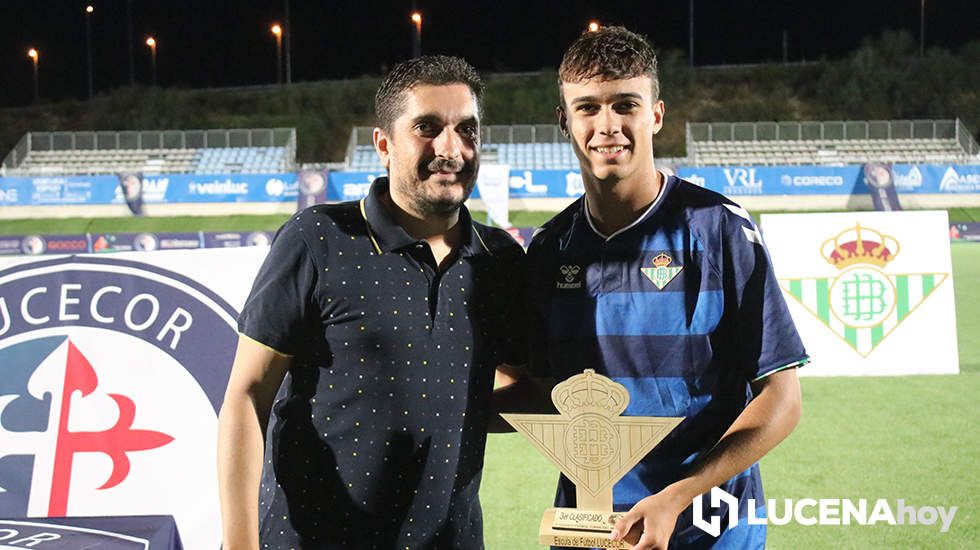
{"x": 433, "y": 285}
{"x": 440, "y": 322}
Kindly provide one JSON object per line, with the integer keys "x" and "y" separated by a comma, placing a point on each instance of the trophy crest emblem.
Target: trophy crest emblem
{"x": 594, "y": 447}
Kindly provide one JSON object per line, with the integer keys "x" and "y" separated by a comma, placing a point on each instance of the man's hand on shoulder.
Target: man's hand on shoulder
{"x": 516, "y": 391}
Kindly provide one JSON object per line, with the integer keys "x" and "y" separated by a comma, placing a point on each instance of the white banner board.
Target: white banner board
{"x": 494, "y": 185}
{"x": 871, "y": 292}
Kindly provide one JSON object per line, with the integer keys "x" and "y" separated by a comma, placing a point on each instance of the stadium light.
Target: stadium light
{"x": 33, "y": 54}
{"x": 152, "y": 43}
{"x": 88, "y": 45}
{"x": 417, "y": 39}
{"x": 594, "y": 26}
{"x": 277, "y": 31}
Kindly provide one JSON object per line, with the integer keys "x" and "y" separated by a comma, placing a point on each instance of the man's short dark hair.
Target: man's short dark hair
{"x": 434, "y": 70}
{"x": 611, "y": 53}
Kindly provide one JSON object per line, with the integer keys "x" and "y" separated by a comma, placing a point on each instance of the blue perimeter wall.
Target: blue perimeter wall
{"x": 524, "y": 184}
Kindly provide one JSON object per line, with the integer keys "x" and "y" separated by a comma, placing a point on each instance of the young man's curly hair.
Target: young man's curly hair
{"x": 434, "y": 70}
{"x": 611, "y": 53}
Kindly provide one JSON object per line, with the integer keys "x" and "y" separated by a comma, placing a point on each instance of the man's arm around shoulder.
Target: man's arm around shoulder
{"x": 515, "y": 391}
{"x": 255, "y": 378}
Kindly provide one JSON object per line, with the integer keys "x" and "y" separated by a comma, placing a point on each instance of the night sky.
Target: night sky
{"x": 216, "y": 43}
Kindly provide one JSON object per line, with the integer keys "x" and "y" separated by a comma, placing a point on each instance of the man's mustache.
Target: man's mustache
{"x": 453, "y": 165}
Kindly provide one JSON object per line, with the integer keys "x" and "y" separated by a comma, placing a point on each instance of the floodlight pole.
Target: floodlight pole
{"x": 785, "y": 46}
{"x": 129, "y": 42}
{"x": 922, "y": 28}
{"x": 690, "y": 34}
{"x": 287, "y": 31}
{"x": 152, "y": 44}
{"x": 32, "y": 53}
{"x": 277, "y": 32}
{"x": 279, "y": 59}
{"x": 88, "y": 45}
{"x": 417, "y": 37}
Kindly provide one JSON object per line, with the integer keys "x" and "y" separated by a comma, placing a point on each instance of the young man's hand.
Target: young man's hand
{"x": 649, "y": 524}
{"x": 767, "y": 419}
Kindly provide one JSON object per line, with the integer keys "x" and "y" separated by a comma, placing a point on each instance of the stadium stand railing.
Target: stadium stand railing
{"x": 830, "y": 142}
{"x": 522, "y": 146}
{"x": 216, "y": 151}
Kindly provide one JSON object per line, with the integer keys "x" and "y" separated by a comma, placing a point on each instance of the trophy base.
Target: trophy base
{"x": 579, "y": 528}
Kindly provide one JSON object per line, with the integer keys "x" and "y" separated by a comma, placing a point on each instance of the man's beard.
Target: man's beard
{"x": 465, "y": 172}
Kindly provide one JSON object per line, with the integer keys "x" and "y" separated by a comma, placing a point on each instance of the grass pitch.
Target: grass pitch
{"x": 911, "y": 437}
{"x": 53, "y": 226}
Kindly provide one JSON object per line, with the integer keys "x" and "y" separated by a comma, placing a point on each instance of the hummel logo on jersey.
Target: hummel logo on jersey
{"x": 569, "y": 274}
{"x": 662, "y": 273}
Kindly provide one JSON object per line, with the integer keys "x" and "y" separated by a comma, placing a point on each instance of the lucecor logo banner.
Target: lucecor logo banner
{"x": 111, "y": 375}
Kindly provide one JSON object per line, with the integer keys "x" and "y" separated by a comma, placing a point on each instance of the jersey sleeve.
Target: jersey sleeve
{"x": 766, "y": 339}
{"x": 278, "y": 307}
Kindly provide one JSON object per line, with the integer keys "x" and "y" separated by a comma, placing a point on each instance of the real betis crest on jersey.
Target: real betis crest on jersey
{"x": 662, "y": 272}
{"x": 864, "y": 302}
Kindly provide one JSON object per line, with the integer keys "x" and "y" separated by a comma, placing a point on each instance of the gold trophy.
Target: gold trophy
{"x": 594, "y": 447}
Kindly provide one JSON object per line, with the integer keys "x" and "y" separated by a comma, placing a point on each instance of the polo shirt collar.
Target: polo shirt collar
{"x": 473, "y": 244}
{"x": 387, "y": 235}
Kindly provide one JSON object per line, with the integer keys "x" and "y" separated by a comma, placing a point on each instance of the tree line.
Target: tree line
{"x": 885, "y": 78}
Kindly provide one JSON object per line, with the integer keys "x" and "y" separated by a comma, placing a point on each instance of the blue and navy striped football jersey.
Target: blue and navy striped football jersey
{"x": 681, "y": 307}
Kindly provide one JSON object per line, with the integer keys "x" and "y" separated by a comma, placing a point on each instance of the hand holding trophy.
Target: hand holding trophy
{"x": 594, "y": 447}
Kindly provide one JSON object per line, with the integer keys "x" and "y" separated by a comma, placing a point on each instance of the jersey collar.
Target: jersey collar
{"x": 669, "y": 183}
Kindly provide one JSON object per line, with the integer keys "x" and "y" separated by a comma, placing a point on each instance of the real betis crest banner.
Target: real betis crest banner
{"x": 871, "y": 292}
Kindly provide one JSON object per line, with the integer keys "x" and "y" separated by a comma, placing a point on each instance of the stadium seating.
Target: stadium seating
{"x": 829, "y": 143}
{"x": 530, "y": 156}
{"x": 827, "y": 152}
{"x": 537, "y": 156}
{"x": 242, "y": 160}
{"x": 522, "y": 146}
{"x": 101, "y": 162}
{"x": 537, "y": 147}
{"x": 364, "y": 159}
{"x": 238, "y": 151}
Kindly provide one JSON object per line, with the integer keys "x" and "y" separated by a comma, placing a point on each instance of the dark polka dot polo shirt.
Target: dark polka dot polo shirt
{"x": 377, "y": 435}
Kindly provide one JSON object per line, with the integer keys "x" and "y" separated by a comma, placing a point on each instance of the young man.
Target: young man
{"x": 666, "y": 288}
{"x": 386, "y": 318}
